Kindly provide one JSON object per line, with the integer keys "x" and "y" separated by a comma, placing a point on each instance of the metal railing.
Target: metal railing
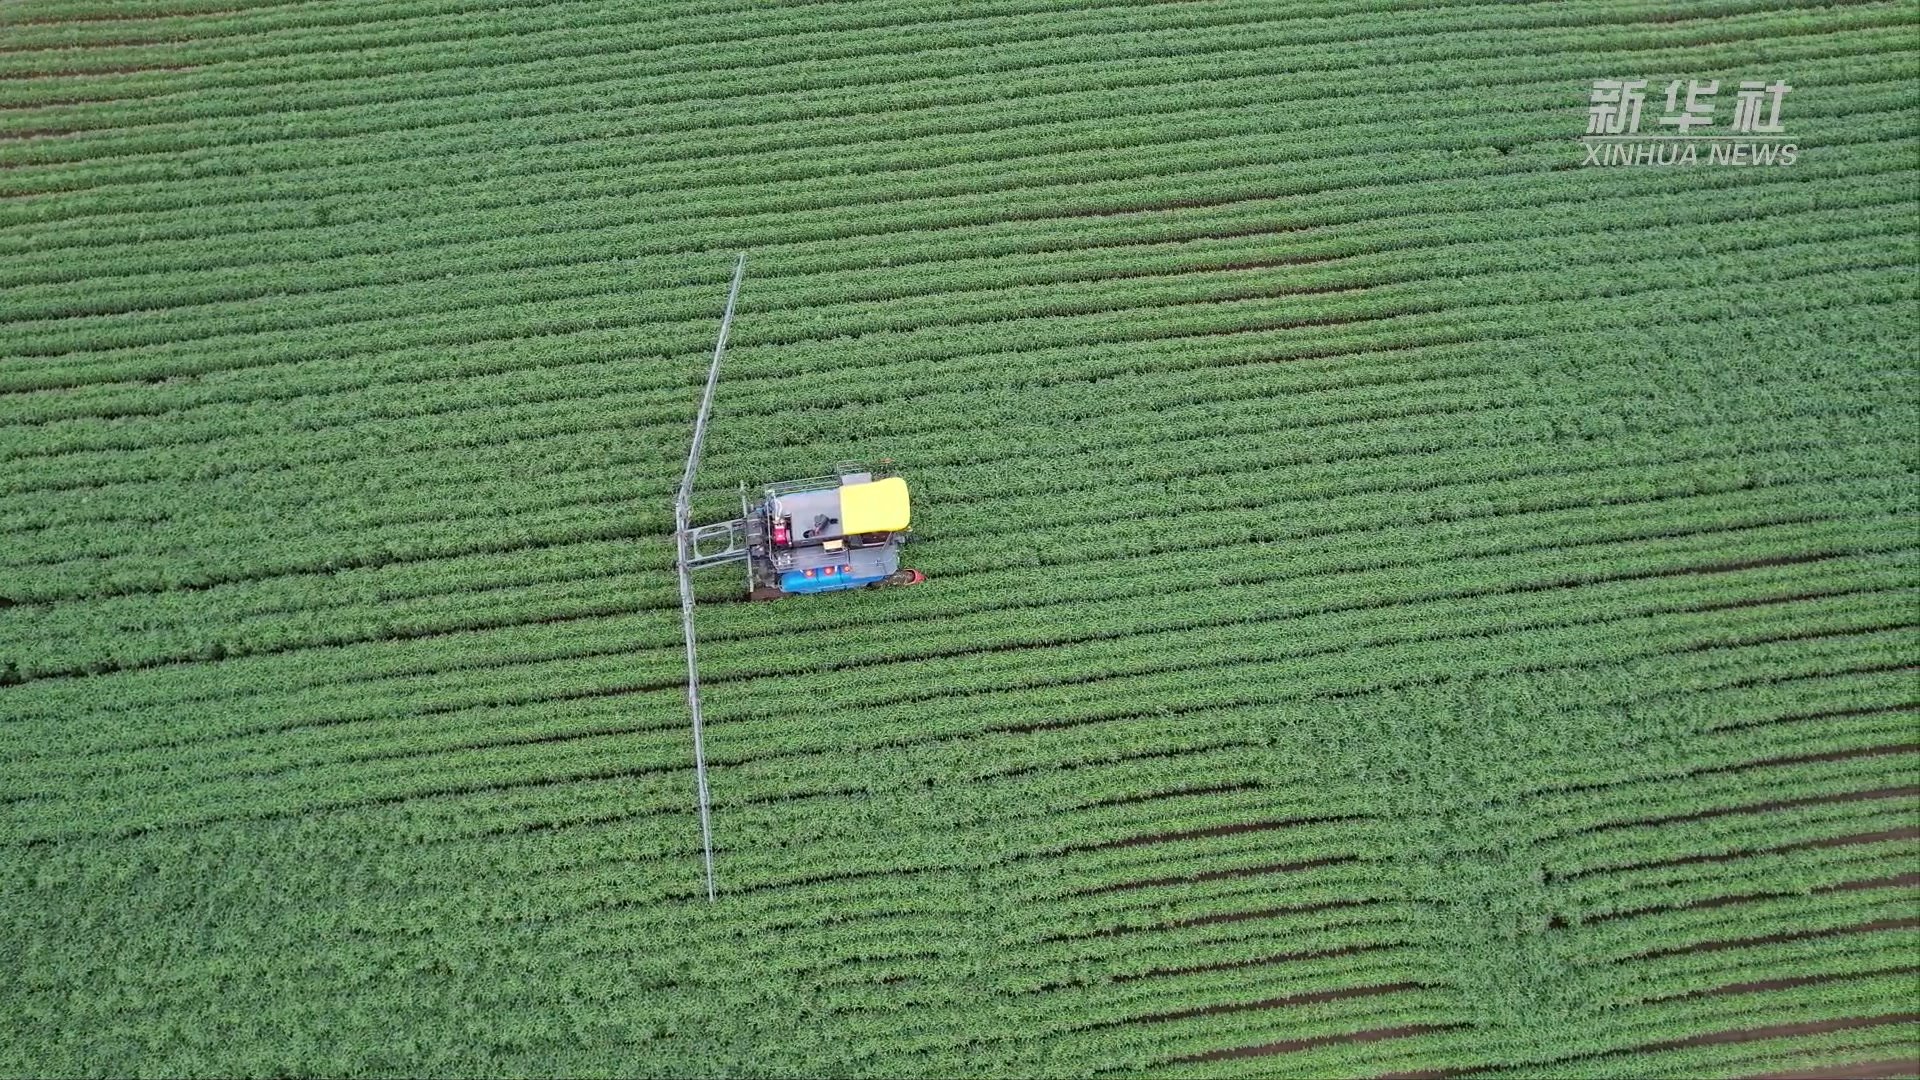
{"x": 732, "y": 546}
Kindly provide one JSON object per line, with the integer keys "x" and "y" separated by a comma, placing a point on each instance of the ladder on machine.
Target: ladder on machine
{"x": 724, "y": 541}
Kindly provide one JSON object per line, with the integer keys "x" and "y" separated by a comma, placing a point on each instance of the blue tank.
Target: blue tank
{"x": 825, "y": 579}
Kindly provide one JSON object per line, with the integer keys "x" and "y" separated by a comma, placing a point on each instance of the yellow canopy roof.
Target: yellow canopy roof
{"x": 876, "y": 506}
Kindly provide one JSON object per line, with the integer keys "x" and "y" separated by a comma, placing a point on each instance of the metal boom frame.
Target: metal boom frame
{"x": 682, "y": 517}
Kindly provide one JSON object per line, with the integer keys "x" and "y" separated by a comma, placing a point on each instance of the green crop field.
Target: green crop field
{"x": 1402, "y": 600}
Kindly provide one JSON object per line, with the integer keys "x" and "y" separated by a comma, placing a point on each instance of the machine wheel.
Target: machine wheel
{"x": 765, "y": 592}
{"x": 905, "y": 577}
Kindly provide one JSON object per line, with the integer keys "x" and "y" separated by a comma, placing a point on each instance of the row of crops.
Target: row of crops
{"x": 1400, "y": 603}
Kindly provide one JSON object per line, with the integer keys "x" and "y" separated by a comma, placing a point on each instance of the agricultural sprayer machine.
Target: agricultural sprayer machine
{"x": 816, "y": 535}
{"x": 821, "y": 534}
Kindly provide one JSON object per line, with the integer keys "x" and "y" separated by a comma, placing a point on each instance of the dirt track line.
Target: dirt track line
{"x": 1777, "y": 939}
{"x": 1898, "y": 881}
{"x": 1905, "y": 792}
{"x": 1281, "y": 1002}
{"x": 1218, "y": 875}
{"x": 1224, "y": 830}
{"x": 1777, "y": 1031}
{"x": 1759, "y": 986}
{"x": 1735, "y": 1035}
{"x": 1859, "y": 1070}
{"x": 1289, "y": 1046}
{"x": 1261, "y": 961}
